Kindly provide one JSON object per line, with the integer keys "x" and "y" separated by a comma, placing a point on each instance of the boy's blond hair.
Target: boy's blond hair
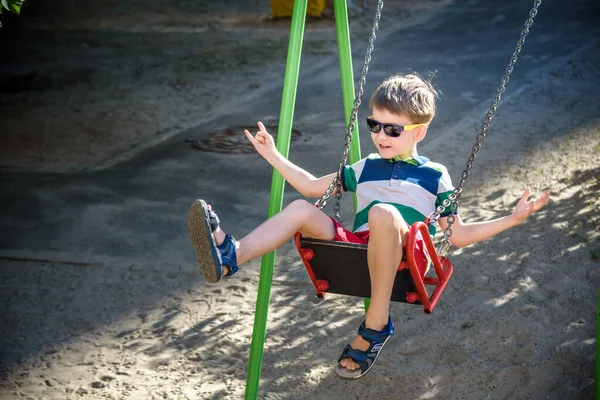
{"x": 407, "y": 95}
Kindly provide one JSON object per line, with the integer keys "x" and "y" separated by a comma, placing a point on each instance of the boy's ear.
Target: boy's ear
{"x": 421, "y": 132}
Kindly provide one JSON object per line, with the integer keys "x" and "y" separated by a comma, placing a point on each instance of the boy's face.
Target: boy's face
{"x": 404, "y": 145}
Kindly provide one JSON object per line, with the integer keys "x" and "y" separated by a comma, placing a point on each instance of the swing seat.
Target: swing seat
{"x": 340, "y": 267}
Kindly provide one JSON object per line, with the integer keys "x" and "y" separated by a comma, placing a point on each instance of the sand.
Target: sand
{"x": 517, "y": 321}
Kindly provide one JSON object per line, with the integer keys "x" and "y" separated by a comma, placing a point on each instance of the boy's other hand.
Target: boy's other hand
{"x": 263, "y": 142}
{"x": 525, "y": 208}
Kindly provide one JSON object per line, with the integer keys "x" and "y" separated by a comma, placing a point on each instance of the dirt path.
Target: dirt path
{"x": 86, "y": 84}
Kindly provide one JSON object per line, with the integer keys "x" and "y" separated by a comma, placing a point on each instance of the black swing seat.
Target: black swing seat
{"x": 340, "y": 267}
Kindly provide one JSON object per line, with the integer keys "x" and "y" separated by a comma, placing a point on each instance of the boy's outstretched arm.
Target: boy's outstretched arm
{"x": 304, "y": 182}
{"x": 464, "y": 234}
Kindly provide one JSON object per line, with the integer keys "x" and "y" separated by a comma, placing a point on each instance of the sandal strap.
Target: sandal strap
{"x": 356, "y": 355}
{"x": 213, "y": 220}
{"x": 371, "y": 335}
{"x": 228, "y": 256}
{"x": 232, "y": 270}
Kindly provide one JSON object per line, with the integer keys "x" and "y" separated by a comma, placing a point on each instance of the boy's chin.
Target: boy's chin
{"x": 387, "y": 153}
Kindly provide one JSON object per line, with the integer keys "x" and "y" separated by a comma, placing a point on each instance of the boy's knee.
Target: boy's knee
{"x": 300, "y": 204}
{"x": 382, "y": 214}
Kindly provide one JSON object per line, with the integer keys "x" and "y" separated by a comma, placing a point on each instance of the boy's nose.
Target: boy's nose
{"x": 381, "y": 134}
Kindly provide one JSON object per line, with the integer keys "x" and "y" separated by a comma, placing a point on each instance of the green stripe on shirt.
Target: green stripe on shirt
{"x": 349, "y": 180}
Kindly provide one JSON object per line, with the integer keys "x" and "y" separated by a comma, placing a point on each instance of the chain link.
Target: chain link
{"x": 337, "y": 181}
{"x": 452, "y": 200}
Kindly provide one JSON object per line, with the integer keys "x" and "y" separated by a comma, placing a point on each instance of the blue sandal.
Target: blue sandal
{"x": 365, "y": 359}
{"x": 228, "y": 256}
{"x": 202, "y": 222}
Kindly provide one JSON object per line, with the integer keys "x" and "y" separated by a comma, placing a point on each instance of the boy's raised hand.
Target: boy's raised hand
{"x": 525, "y": 208}
{"x": 263, "y": 142}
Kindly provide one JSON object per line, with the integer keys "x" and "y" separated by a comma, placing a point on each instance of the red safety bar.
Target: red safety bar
{"x": 443, "y": 268}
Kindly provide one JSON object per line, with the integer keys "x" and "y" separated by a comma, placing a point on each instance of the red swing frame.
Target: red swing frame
{"x": 443, "y": 269}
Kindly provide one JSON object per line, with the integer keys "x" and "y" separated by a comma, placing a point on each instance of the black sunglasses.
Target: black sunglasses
{"x": 391, "y": 130}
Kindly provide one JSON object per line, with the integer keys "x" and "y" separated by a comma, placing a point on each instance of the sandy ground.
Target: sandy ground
{"x": 517, "y": 321}
{"x": 131, "y": 74}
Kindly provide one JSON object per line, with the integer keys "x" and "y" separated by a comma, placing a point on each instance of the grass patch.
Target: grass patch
{"x": 466, "y": 325}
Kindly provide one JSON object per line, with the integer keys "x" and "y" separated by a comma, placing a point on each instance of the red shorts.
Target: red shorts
{"x": 344, "y": 235}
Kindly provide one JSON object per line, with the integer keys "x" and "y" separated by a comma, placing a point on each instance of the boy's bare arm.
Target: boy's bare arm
{"x": 304, "y": 182}
{"x": 464, "y": 234}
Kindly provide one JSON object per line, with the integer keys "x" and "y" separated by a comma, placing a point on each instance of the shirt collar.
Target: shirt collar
{"x": 416, "y": 161}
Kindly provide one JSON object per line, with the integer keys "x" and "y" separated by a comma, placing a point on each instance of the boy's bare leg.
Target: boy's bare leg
{"x": 388, "y": 233}
{"x": 298, "y": 216}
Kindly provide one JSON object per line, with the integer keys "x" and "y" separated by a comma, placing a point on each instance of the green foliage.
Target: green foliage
{"x": 14, "y": 6}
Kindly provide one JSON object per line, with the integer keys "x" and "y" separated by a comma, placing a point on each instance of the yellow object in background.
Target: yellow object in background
{"x": 283, "y": 8}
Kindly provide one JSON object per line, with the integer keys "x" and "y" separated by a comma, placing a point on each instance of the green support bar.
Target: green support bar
{"x": 286, "y": 117}
{"x": 342, "y": 29}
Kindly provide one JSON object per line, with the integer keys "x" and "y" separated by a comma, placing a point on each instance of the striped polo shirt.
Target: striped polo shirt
{"x": 415, "y": 186}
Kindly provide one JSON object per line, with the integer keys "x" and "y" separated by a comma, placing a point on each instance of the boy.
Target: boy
{"x": 394, "y": 188}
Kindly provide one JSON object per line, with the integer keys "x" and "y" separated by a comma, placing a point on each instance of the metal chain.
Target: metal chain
{"x": 452, "y": 199}
{"x": 337, "y": 181}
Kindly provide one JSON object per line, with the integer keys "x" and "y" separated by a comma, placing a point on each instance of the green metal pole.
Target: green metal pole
{"x": 345, "y": 55}
{"x": 288, "y": 103}
{"x": 342, "y": 30}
